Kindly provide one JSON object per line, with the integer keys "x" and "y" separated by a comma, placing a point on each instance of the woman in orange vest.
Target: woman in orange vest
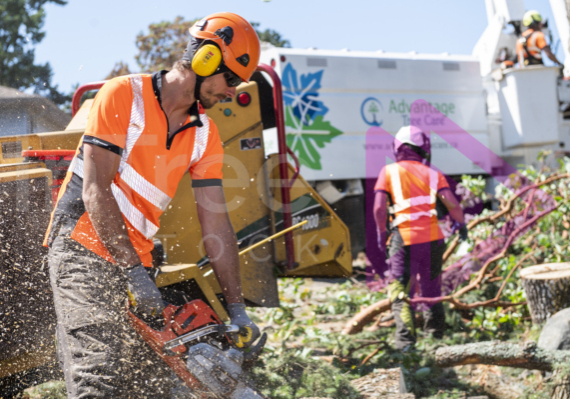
{"x": 144, "y": 133}
{"x": 409, "y": 190}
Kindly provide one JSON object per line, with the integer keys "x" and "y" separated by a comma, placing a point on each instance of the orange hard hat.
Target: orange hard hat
{"x": 235, "y": 37}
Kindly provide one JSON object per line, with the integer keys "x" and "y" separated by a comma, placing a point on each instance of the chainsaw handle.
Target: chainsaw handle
{"x": 254, "y": 352}
{"x": 232, "y": 328}
{"x": 243, "y": 330}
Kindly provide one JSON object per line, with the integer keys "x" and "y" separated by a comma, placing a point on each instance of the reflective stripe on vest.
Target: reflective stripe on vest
{"x": 135, "y": 217}
{"x": 531, "y": 46}
{"x": 131, "y": 213}
{"x": 201, "y": 140}
{"x": 401, "y": 204}
{"x": 131, "y": 177}
{"x": 531, "y": 50}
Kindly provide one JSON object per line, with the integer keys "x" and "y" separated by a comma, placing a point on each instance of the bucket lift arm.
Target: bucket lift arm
{"x": 560, "y": 11}
{"x": 493, "y": 39}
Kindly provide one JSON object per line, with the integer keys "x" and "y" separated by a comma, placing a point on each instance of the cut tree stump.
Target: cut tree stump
{"x": 547, "y": 289}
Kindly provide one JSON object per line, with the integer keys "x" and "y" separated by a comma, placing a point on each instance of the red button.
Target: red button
{"x": 243, "y": 99}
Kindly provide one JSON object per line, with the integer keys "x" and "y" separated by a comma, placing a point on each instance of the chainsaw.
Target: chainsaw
{"x": 196, "y": 345}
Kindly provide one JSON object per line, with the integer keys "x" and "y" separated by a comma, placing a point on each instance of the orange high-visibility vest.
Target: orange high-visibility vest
{"x": 413, "y": 189}
{"x": 535, "y": 42}
{"x": 127, "y": 119}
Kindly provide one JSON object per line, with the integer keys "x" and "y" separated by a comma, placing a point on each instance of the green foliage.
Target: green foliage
{"x": 120, "y": 69}
{"x": 47, "y": 390}
{"x": 165, "y": 42}
{"x": 21, "y": 23}
{"x": 547, "y": 241}
{"x": 551, "y": 232}
{"x": 341, "y": 299}
{"x": 475, "y": 184}
{"x": 289, "y": 374}
{"x": 271, "y": 36}
{"x": 297, "y": 329}
{"x": 493, "y": 323}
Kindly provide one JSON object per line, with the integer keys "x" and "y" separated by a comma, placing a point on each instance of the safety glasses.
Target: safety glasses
{"x": 232, "y": 80}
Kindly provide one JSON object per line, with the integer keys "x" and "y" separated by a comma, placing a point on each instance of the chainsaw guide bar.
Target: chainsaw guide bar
{"x": 197, "y": 334}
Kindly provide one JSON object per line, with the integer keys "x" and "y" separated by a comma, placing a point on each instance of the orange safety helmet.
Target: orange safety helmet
{"x": 236, "y": 38}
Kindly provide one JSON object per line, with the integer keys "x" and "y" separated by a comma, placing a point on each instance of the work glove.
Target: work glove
{"x": 461, "y": 228}
{"x": 463, "y": 232}
{"x": 249, "y": 332}
{"x": 143, "y": 292}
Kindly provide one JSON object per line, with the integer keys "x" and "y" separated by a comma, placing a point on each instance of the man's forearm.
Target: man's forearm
{"x": 221, "y": 246}
{"x": 551, "y": 55}
{"x": 380, "y": 211}
{"x": 109, "y": 224}
{"x": 553, "y": 58}
{"x": 380, "y": 218}
{"x": 457, "y": 214}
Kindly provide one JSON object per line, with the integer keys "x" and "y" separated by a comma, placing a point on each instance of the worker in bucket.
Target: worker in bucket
{"x": 144, "y": 133}
{"x": 408, "y": 190}
{"x": 532, "y": 42}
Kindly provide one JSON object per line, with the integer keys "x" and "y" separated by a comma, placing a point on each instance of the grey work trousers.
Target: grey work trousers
{"x": 100, "y": 353}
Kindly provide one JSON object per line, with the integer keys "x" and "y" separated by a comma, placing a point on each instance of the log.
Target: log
{"x": 362, "y": 318}
{"x": 547, "y": 289}
{"x": 526, "y": 356}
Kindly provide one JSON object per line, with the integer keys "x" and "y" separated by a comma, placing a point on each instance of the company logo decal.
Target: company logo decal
{"x": 371, "y": 111}
{"x": 307, "y": 131}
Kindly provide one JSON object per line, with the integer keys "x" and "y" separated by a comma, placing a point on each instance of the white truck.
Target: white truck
{"x": 332, "y": 98}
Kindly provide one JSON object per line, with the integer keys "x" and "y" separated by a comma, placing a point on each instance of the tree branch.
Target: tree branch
{"x": 505, "y": 208}
{"x": 526, "y": 356}
{"x": 365, "y": 316}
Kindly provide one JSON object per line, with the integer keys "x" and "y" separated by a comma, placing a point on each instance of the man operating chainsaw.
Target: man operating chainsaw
{"x": 143, "y": 134}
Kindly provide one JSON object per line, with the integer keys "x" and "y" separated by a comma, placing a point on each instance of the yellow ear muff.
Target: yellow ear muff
{"x": 206, "y": 60}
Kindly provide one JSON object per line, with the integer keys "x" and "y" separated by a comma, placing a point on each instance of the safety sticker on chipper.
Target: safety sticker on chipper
{"x": 12, "y": 149}
{"x": 250, "y": 144}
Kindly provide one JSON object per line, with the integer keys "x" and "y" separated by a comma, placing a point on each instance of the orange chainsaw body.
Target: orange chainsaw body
{"x": 178, "y": 320}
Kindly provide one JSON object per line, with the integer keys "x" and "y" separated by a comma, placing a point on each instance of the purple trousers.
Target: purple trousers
{"x": 416, "y": 269}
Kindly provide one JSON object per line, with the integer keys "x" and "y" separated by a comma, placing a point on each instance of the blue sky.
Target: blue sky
{"x": 84, "y": 39}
